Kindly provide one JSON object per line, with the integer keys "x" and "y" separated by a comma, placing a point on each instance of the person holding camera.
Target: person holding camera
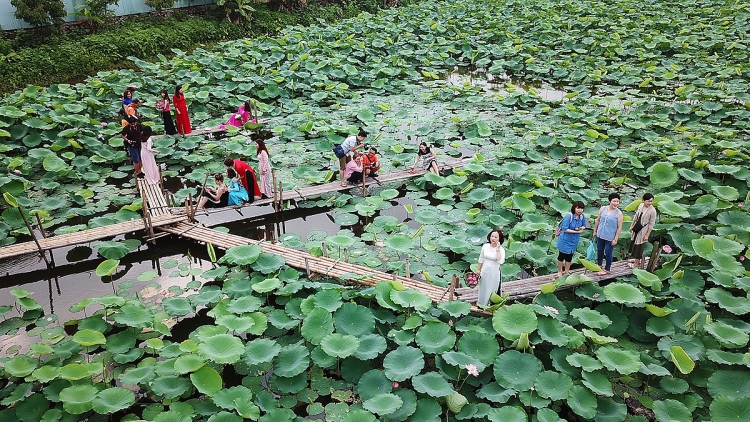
{"x": 370, "y": 162}
{"x": 640, "y": 228}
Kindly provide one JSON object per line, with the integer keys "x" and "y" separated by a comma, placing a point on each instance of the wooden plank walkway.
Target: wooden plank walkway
{"x": 530, "y": 287}
{"x": 86, "y": 236}
{"x": 304, "y": 261}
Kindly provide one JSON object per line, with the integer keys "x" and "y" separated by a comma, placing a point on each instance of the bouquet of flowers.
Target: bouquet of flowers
{"x": 160, "y": 105}
{"x": 472, "y": 279}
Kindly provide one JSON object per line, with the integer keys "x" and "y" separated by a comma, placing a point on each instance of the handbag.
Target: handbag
{"x": 558, "y": 229}
{"x": 591, "y": 251}
{"x": 472, "y": 279}
{"x": 339, "y": 151}
{"x": 638, "y": 226}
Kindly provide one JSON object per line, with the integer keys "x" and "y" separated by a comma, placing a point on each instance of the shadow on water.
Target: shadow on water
{"x": 501, "y": 84}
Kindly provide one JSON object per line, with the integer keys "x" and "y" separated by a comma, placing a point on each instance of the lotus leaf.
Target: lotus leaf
{"x": 354, "y": 319}
{"x": 435, "y": 337}
{"x": 316, "y": 325}
{"x": 221, "y": 348}
{"x": 553, "y": 385}
{"x": 681, "y": 360}
{"x": 372, "y": 383}
{"x": 19, "y": 366}
{"x": 399, "y": 242}
{"x": 727, "y": 408}
{"x": 260, "y": 350}
{"x": 206, "y": 380}
{"x": 370, "y": 346}
{"x": 112, "y": 400}
{"x": 624, "y": 293}
{"x": 727, "y": 335}
{"x": 383, "y": 404}
{"x": 411, "y": 299}
{"x": 432, "y": 384}
{"x": 78, "y": 399}
{"x": 134, "y": 315}
{"x": 242, "y": 255}
{"x": 729, "y": 383}
{"x": 514, "y": 320}
{"x": 292, "y": 360}
{"x": 403, "y": 363}
{"x": 582, "y": 401}
{"x": 516, "y": 371}
{"x": 188, "y": 363}
{"x": 339, "y": 345}
{"x": 170, "y": 386}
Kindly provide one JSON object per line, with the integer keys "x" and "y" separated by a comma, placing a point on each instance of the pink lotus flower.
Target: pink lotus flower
{"x": 552, "y": 134}
{"x": 17, "y": 171}
{"x": 666, "y": 249}
{"x": 500, "y": 228}
{"x": 740, "y": 204}
{"x": 612, "y": 118}
{"x": 395, "y": 384}
{"x": 742, "y": 257}
{"x": 472, "y": 370}
{"x": 104, "y": 124}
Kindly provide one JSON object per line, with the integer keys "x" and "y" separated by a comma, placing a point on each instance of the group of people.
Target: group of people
{"x": 242, "y": 180}
{"x": 607, "y": 229}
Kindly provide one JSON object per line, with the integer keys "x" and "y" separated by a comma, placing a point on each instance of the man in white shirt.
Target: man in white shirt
{"x": 350, "y": 144}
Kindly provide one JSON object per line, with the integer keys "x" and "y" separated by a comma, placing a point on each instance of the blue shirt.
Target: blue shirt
{"x": 568, "y": 242}
{"x": 348, "y": 143}
{"x": 608, "y": 223}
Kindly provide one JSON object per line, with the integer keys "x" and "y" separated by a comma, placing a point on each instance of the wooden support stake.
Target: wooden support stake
{"x": 275, "y": 190}
{"x": 654, "y": 258}
{"x": 307, "y": 267}
{"x": 41, "y": 226}
{"x": 198, "y": 199}
{"x": 364, "y": 182}
{"x": 454, "y": 284}
{"x": 146, "y": 214}
{"x": 33, "y": 236}
{"x": 407, "y": 268}
{"x": 281, "y": 197}
{"x": 325, "y": 250}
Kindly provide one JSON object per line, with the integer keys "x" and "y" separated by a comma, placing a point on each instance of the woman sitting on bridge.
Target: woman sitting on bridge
{"x": 215, "y": 197}
{"x": 237, "y": 192}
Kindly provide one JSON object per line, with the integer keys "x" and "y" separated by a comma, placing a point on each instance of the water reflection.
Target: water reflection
{"x": 497, "y": 84}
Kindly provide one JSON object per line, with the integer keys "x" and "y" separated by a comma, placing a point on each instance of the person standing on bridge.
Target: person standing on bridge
{"x": 571, "y": 227}
{"x": 640, "y": 228}
{"x": 607, "y": 229}
{"x": 347, "y": 149}
{"x": 491, "y": 257}
{"x": 264, "y": 167}
{"x": 181, "y": 111}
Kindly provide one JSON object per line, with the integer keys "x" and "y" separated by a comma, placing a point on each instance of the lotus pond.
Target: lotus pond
{"x": 652, "y": 97}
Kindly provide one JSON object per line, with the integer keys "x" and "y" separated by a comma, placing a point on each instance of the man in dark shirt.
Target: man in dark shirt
{"x": 131, "y": 135}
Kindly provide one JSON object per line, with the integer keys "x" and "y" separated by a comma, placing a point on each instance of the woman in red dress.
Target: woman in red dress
{"x": 181, "y": 111}
{"x": 247, "y": 175}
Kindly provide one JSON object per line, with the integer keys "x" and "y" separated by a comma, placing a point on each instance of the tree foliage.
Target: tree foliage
{"x": 40, "y": 12}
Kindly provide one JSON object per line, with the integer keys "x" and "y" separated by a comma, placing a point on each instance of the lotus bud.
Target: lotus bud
{"x": 395, "y": 384}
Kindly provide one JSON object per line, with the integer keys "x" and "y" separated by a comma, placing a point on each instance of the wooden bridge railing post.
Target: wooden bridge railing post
{"x": 407, "y": 268}
{"x": 275, "y": 191}
{"x": 146, "y": 213}
{"x": 654, "y": 258}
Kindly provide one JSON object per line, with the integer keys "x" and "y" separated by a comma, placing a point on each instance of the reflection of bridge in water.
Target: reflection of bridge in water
{"x": 161, "y": 219}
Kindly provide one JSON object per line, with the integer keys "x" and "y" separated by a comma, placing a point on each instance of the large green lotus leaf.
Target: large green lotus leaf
{"x": 591, "y": 318}
{"x": 585, "y": 362}
{"x": 727, "y": 193}
{"x": 19, "y": 366}
{"x": 78, "y": 399}
{"x": 681, "y": 359}
{"x": 514, "y": 320}
{"x": 170, "y": 386}
{"x": 229, "y": 397}
{"x": 729, "y": 383}
{"x": 624, "y": 293}
{"x": 435, "y": 337}
{"x": 317, "y": 324}
{"x": 188, "y": 363}
{"x": 177, "y": 306}
{"x": 241, "y": 255}
{"x": 354, "y": 319}
{"x": 411, "y": 299}
{"x": 221, "y": 348}
{"x": 480, "y": 195}
{"x": 691, "y": 175}
{"x": 88, "y": 338}
{"x": 610, "y": 410}
{"x": 403, "y": 363}
{"x": 330, "y": 299}
{"x": 54, "y": 164}
{"x": 663, "y": 175}
{"x": 481, "y": 346}
{"x": 339, "y": 345}
{"x": 260, "y": 350}
{"x": 269, "y": 284}
{"x": 734, "y": 218}
{"x": 140, "y": 375}
{"x": 292, "y": 360}
{"x": 370, "y": 346}
{"x": 727, "y": 265}
{"x": 674, "y": 209}
{"x": 399, "y": 242}
{"x": 523, "y": 204}
{"x": 134, "y": 315}
{"x": 620, "y": 360}
{"x": 426, "y": 215}
{"x": 268, "y": 263}
{"x": 347, "y": 219}
{"x": 582, "y": 401}
{"x": 372, "y": 383}
{"x": 112, "y": 400}
{"x": 728, "y": 409}
{"x": 553, "y": 331}
{"x": 548, "y": 415}
{"x": 456, "y": 244}
{"x": 553, "y": 385}
{"x": 727, "y": 335}
{"x": 455, "y": 308}
{"x": 339, "y": 240}
{"x": 507, "y": 413}
{"x": 112, "y": 250}
{"x": 432, "y": 384}
{"x": 383, "y": 404}
{"x": 206, "y": 380}
{"x": 517, "y": 371}
{"x": 725, "y": 246}
{"x": 45, "y": 374}
{"x": 727, "y": 301}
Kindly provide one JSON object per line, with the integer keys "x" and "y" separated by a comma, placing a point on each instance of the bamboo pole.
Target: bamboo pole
{"x": 275, "y": 191}
{"x": 41, "y": 226}
{"x": 146, "y": 213}
{"x": 200, "y": 195}
{"x": 33, "y": 236}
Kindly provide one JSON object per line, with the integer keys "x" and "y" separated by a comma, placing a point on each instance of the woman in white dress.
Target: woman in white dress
{"x": 490, "y": 259}
{"x": 149, "y": 166}
{"x": 264, "y": 166}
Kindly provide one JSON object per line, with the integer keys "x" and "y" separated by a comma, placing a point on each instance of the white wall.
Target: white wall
{"x": 8, "y": 20}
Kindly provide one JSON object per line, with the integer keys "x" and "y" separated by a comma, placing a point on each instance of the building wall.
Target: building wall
{"x": 8, "y": 21}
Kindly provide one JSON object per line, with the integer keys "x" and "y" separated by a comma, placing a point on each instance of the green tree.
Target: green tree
{"x": 160, "y": 5}
{"x": 40, "y": 12}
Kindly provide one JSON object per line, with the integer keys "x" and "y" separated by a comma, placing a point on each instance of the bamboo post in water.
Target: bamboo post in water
{"x": 198, "y": 199}
{"x": 654, "y": 258}
{"x": 33, "y": 236}
{"x": 275, "y": 190}
{"x": 407, "y": 268}
{"x": 41, "y": 227}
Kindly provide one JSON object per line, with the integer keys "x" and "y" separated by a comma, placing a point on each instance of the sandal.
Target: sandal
{"x": 602, "y": 273}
